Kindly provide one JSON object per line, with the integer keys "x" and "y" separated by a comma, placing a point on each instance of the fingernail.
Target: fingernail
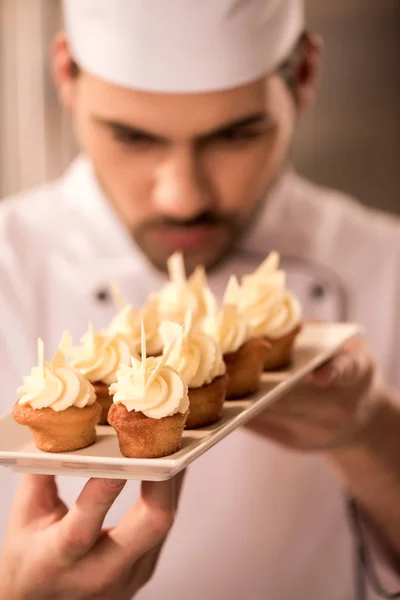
{"x": 115, "y": 483}
{"x": 324, "y": 376}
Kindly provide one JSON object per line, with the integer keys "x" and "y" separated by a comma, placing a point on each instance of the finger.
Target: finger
{"x": 143, "y": 569}
{"x": 301, "y": 434}
{"x": 348, "y": 368}
{"x": 324, "y": 376}
{"x": 147, "y": 523}
{"x": 80, "y": 528}
{"x": 179, "y": 483}
{"x": 36, "y": 497}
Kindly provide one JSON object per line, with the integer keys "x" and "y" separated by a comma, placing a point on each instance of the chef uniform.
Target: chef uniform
{"x": 256, "y": 521}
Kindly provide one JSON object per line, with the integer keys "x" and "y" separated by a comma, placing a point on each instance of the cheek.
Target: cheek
{"x": 126, "y": 176}
{"x": 240, "y": 176}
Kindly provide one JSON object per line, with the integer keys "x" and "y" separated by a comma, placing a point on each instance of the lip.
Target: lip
{"x": 185, "y": 238}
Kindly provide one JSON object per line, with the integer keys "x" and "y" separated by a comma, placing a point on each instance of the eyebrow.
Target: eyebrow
{"x": 249, "y": 120}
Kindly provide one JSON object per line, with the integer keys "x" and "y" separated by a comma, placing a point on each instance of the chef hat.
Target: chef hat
{"x": 182, "y": 45}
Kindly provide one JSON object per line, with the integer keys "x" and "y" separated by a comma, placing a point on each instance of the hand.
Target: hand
{"x": 51, "y": 553}
{"x": 328, "y": 409}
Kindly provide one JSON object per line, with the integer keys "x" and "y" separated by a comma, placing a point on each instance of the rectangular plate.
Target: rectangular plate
{"x": 316, "y": 344}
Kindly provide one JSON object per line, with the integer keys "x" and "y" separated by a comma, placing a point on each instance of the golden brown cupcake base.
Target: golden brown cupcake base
{"x": 206, "y": 403}
{"x": 142, "y": 437}
{"x": 245, "y": 367}
{"x": 66, "y": 431}
{"x": 281, "y": 352}
{"x": 104, "y": 399}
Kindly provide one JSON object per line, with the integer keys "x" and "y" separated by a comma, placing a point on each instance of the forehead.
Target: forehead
{"x": 173, "y": 113}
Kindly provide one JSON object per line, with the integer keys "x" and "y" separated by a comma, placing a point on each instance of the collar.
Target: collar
{"x": 271, "y": 225}
{"x": 102, "y": 249}
{"x": 82, "y": 192}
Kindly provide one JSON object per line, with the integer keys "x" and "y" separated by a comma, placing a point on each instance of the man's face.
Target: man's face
{"x": 185, "y": 172}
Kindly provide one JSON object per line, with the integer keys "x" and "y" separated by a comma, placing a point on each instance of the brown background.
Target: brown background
{"x": 352, "y": 138}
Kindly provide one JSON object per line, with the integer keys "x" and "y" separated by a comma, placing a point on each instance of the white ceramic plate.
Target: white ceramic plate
{"x": 316, "y": 344}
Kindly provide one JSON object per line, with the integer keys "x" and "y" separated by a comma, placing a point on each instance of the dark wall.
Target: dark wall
{"x": 351, "y": 140}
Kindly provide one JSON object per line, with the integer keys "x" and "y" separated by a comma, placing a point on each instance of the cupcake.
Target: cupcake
{"x": 98, "y": 359}
{"x": 181, "y": 295}
{"x": 150, "y": 407}
{"x": 273, "y": 312}
{"x": 197, "y": 357}
{"x": 244, "y": 354}
{"x": 58, "y": 404}
{"x": 127, "y": 324}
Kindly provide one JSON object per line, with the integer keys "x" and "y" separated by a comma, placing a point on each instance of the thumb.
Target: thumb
{"x": 36, "y": 497}
{"x": 351, "y": 366}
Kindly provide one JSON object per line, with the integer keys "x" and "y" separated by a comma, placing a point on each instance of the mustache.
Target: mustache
{"x": 201, "y": 220}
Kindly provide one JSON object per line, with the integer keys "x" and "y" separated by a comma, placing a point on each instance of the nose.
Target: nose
{"x": 181, "y": 190}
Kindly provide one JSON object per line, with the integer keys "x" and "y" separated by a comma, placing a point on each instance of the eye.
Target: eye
{"x": 238, "y": 135}
{"x": 132, "y": 138}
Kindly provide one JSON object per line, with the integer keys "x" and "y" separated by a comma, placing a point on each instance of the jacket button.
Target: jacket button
{"x": 317, "y": 291}
{"x": 102, "y": 296}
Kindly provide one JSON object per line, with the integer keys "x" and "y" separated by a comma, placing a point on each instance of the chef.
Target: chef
{"x": 185, "y": 114}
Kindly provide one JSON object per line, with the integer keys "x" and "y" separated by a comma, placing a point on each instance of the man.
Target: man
{"x": 185, "y": 114}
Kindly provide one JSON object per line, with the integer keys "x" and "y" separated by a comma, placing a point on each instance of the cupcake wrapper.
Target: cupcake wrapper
{"x": 142, "y": 437}
{"x": 206, "y": 403}
{"x": 104, "y": 399}
{"x": 66, "y": 431}
{"x": 281, "y": 351}
{"x": 245, "y": 367}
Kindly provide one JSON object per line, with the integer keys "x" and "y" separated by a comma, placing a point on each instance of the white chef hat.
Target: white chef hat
{"x": 182, "y": 45}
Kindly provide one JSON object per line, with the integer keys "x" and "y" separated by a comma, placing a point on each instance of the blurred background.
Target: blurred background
{"x": 351, "y": 140}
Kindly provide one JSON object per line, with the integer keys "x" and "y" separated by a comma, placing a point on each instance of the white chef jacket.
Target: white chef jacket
{"x": 256, "y": 522}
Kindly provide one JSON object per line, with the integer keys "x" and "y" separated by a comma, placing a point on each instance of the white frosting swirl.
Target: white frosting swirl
{"x": 195, "y": 355}
{"x": 175, "y": 300}
{"x": 267, "y": 274}
{"x": 100, "y": 356}
{"x": 228, "y": 328}
{"x": 271, "y": 314}
{"x": 156, "y": 391}
{"x": 127, "y": 323}
{"x": 56, "y": 385}
{"x": 182, "y": 295}
{"x": 272, "y": 311}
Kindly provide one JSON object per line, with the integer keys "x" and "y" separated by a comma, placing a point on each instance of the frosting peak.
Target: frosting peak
{"x": 263, "y": 299}
{"x": 195, "y": 355}
{"x": 150, "y": 386}
{"x": 182, "y": 295}
{"x": 56, "y": 385}
{"x": 127, "y": 324}
{"x": 228, "y": 327}
{"x": 267, "y": 274}
{"x": 100, "y": 356}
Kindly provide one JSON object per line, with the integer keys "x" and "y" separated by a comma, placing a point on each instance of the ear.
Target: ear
{"x": 63, "y": 72}
{"x": 307, "y": 71}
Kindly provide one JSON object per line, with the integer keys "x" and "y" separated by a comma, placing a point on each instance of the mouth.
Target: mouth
{"x": 191, "y": 238}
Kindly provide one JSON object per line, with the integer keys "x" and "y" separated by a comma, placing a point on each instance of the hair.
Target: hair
{"x": 286, "y": 70}
{"x": 75, "y": 69}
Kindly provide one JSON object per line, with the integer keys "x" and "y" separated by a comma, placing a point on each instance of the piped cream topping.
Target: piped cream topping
{"x": 182, "y": 295}
{"x": 99, "y": 356}
{"x": 230, "y": 329}
{"x": 265, "y": 302}
{"x": 195, "y": 355}
{"x": 56, "y": 384}
{"x": 127, "y": 323}
{"x": 150, "y": 386}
